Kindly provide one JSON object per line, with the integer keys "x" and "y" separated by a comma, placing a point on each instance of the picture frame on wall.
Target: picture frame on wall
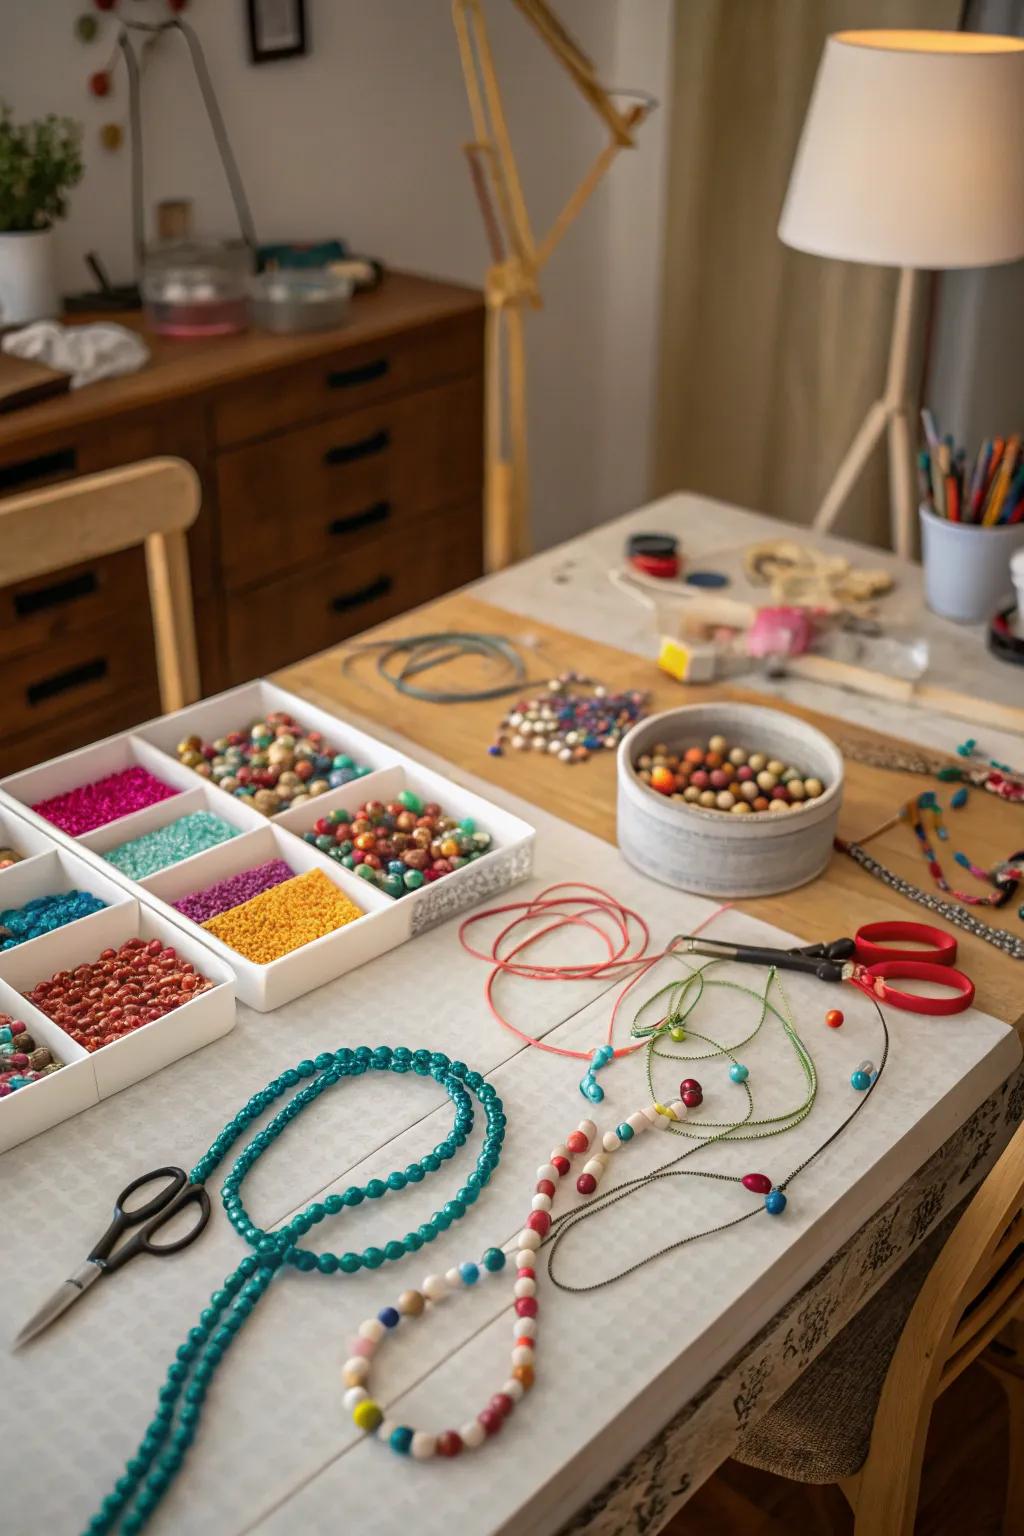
{"x": 277, "y": 30}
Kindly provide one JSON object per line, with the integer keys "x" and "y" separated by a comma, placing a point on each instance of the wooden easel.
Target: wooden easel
{"x": 513, "y": 278}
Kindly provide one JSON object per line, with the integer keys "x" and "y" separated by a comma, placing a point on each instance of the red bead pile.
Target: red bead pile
{"x": 99, "y": 1002}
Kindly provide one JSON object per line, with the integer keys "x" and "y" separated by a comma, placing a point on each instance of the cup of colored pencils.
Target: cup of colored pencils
{"x": 972, "y": 521}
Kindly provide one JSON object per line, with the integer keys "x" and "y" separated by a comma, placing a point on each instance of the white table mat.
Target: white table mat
{"x": 277, "y": 1451}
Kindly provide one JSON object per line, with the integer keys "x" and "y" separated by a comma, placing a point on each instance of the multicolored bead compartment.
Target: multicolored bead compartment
{"x": 173, "y": 994}
{"x": 333, "y": 770}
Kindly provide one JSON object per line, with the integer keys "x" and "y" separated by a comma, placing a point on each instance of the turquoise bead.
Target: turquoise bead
{"x": 860, "y": 1080}
{"x": 470, "y": 1273}
{"x": 373, "y": 1258}
{"x": 775, "y": 1202}
{"x": 738, "y": 1072}
{"x": 625, "y": 1132}
{"x": 394, "y": 1250}
{"x": 397, "y": 1180}
{"x": 401, "y": 1439}
{"x": 493, "y": 1260}
{"x": 375, "y": 1189}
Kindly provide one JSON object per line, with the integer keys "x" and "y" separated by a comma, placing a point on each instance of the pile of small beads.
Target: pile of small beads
{"x": 93, "y": 805}
{"x": 723, "y": 778}
{"x": 102, "y": 1000}
{"x": 569, "y": 724}
{"x": 142, "y": 856}
{"x": 367, "y": 1413}
{"x": 45, "y": 913}
{"x": 284, "y": 917}
{"x": 9, "y": 856}
{"x": 401, "y": 845}
{"x": 22, "y": 1061}
{"x": 274, "y": 764}
{"x": 200, "y": 906}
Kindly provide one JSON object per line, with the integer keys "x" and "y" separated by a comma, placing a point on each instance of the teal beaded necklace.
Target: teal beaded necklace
{"x": 162, "y": 1450}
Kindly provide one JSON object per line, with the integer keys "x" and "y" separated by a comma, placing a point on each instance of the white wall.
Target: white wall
{"x": 362, "y": 138}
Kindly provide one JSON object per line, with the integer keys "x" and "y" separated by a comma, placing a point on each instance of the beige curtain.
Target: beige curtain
{"x": 769, "y": 357}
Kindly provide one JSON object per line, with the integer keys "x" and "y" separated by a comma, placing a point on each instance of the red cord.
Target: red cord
{"x": 623, "y": 957}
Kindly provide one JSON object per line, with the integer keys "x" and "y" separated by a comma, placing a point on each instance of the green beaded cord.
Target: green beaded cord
{"x": 162, "y": 1451}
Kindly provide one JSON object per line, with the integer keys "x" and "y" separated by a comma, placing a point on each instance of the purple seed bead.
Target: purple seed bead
{"x": 200, "y": 906}
{"x": 93, "y": 805}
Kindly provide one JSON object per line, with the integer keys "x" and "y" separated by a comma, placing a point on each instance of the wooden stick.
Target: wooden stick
{"x": 582, "y": 195}
{"x": 170, "y": 600}
{"x": 572, "y": 58}
{"x": 519, "y": 489}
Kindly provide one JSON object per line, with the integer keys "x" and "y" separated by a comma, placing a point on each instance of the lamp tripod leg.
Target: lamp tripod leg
{"x": 849, "y": 471}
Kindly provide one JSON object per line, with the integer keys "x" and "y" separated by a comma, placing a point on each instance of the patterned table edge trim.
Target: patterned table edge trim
{"x": 660, "y": 1478}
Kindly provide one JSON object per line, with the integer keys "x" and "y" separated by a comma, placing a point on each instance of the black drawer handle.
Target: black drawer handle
{"x": 365, "y": 448}
{"x": 378, "y": 513}
{"x": 62, "y": 682}
{"x": 64, "y": 461}
{"x": 373, "y": 589}
{"x": 346, "y": 378}
{"x": 58, "y": 592}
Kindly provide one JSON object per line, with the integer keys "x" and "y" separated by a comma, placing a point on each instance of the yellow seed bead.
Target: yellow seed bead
{"x": 284, "y": 918}
{"x": 367, "y": 1414}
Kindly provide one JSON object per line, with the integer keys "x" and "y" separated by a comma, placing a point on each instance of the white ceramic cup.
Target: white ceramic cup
{"x": 28, "y": 286}
{"x": 967, "y": 567}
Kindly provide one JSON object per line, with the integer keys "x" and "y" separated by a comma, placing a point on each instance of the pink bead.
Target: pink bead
{"x": 539, "y": 1221}
{"x": 576, "y": 1142}
{"x": 758, "y": 1183}
{"x": 364, "y": 1347}
{"x": 586, "y": 1183}
{"x": 562, "y": 1164}
{"x": 526, "y": 1306}
{"x": 526, "y": 1273}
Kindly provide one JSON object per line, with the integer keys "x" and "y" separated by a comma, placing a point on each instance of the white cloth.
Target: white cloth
{"x": 87, "y": 352}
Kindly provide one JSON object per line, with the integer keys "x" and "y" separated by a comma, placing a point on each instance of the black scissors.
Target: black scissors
{"x": 149, "y": 1216}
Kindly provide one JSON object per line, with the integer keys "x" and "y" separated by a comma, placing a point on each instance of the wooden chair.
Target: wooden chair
{"x": 970, "y": 1294}
{"x": 150, "y": 503}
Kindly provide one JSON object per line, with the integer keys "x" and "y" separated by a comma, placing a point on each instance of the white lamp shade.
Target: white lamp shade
{"x": 912, "y": 153}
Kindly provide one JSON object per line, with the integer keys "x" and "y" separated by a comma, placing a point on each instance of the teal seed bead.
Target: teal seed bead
{"x": 394, "y": 1250}
{"x": 327, "y": 1263}
{"x": 412, "y": 1242}
{"x": 454, "y": 1209}
{"x": 353, "y": 1195}
{"x": 375, "y": 1188}
{"x": 349, "y": 1263}
{"x": 625, "y": 1132}
{"x": 373, "y": 1258}
{"x": 333, "y": 1204}
{"x": 397, "y": 1180}
{"x": 493, "y": 1260}
{"x": 414, "y": 1173}
{"x": 738, "y": 1072}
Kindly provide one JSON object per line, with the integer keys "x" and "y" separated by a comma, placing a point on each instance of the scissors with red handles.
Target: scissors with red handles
{"x": 878, "y": 955}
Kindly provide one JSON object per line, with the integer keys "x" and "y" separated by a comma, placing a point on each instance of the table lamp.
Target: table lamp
{"x": 911, "y": 156}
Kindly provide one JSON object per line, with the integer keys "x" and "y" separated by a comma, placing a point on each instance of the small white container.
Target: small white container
{"x": 967, "y": 567}
{"x": 1017, "y": 577}
{"x": 712, "y": 853}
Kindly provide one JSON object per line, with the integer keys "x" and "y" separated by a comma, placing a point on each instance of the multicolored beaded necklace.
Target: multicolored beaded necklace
{"x": 162, "y": 1451}
{"x": 541, "y": 1228}
{"x": 1005, "y": 877}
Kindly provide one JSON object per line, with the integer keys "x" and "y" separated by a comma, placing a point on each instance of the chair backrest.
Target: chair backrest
{"x": 975, "y": 1287}
{"x": 150, "y": 503}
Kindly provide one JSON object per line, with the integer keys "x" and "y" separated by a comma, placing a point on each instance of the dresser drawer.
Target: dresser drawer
{"x": 93, "y": 667}
{"x": 320, "y": 493}
{"x": 50, "y": 610}
{"x": 290, "y": 618}
{"x": 79, "y": 729}
{"x": 347, "y": 379}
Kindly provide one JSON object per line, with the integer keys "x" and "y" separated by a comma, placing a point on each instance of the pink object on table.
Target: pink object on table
{"x": 93, "y": 805}
{"x": 783, "y": 631}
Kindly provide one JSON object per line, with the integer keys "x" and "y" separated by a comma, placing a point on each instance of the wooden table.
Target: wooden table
{"x": 844, "y": 897}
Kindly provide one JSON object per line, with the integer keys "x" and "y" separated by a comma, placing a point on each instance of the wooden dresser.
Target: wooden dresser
{"x": 342, "y": 479}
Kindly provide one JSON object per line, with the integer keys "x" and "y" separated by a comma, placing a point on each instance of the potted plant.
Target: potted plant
{"x": 39, "y": 163}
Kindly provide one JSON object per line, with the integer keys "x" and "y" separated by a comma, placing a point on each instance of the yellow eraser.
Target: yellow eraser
{"x": 674, "y": 658}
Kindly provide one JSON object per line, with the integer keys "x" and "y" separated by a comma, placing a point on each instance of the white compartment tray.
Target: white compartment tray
{"x": 386, "y": 922}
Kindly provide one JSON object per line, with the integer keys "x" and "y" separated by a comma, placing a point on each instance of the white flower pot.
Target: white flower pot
{"x": 28, "y": 285}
